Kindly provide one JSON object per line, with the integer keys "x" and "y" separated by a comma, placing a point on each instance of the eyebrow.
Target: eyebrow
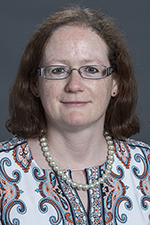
{"x": 83, "y": 62}
{"x": 89, "y": 61}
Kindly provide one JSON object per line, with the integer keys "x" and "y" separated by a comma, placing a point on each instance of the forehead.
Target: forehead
{"x": 75, "y": 31}
{"x": 75, "y": 40}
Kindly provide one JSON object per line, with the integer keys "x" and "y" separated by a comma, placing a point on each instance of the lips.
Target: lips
{"x": 75, "y": 103}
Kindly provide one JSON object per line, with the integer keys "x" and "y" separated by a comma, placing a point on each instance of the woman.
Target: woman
{"x": 72, "y": 108}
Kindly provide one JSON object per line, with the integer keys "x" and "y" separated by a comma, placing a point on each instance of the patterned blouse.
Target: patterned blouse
{"x": 31, "y": 195}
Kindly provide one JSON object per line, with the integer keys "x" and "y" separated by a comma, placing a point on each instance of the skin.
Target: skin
{"x": 75, "y": 103}
{"x": 75, "y": 108}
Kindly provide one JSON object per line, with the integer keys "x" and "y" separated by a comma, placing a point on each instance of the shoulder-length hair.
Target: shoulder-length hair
{"x": 27, "y": 117}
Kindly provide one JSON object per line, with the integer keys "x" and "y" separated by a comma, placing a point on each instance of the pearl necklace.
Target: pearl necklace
{"x": 68, "y": 180}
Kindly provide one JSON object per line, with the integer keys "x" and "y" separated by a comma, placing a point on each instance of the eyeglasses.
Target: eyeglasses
{"x": 59, "y": 72}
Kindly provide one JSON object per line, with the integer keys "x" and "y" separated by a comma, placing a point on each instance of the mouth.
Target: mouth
{"x": 75, "y": 103}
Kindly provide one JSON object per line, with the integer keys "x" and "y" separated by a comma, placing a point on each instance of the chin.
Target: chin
{"x": 78, "y": 124}
{"x": 76, "y": 119}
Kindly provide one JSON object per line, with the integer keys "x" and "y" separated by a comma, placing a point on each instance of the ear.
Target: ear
{"x": 34, "y": 88}
{"x": 115, "y": 88}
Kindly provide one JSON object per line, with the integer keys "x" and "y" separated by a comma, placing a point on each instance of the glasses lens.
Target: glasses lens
{"x": 55, "y": 72}
{"x": 93, "y": 71}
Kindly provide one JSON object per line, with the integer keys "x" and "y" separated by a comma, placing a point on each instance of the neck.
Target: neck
{"x": 69, "y": 181}
{"x": 77, "y": 150}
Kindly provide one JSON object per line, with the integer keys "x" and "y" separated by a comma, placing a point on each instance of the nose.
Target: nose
{"x": 74, "y": 81}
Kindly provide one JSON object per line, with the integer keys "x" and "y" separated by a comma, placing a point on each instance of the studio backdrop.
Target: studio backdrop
{"x": 19, "y": 19}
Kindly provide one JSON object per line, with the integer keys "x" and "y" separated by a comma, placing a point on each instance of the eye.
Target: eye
{"x": 91, "y": 69}
{"x": 57, "y": 70}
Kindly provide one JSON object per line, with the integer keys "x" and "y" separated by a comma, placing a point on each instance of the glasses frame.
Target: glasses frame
{"x": 109, "y": 70}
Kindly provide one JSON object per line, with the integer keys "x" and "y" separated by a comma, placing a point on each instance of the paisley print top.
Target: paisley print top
{"x": 31, "y": 195}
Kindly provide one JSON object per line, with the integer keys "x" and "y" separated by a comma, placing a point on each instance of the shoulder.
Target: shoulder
{"x": 15, "y": 153}
{"x": 129, "y": 150}
{"x": 11, "y": 144}
{"x": 132, "y": 144}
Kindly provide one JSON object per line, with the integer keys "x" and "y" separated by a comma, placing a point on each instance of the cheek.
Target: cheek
{"x": 102, "y": 95}
{"x": 47, "y": 88}
{"x": 103, "y": 89}
{"x": 47, "y": 93}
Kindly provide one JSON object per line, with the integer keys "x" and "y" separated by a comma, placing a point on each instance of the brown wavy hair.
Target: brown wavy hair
{"x": 27, "y": 117}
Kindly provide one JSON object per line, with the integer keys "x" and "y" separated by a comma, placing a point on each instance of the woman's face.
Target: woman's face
{"x": 75, "y": 102}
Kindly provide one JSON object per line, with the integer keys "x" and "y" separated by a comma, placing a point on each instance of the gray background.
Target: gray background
{"x": 18, "y": 20}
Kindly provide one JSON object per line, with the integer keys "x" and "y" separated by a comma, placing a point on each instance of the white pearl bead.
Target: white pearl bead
{"x": 60, "y": 172}
{"x": 111, "y": 157}
{"x": 52, "y": 163}
{"x": 110, "y": 161}
{"x": 79, "y": 186}
{"x": 107, "y": 172}
{"x": 43, "y": 144}
{"x": 74, "y": 184}
{"x": 45, "y": 149}
{"x": 43, "y": 139}
{"x": 108, "y": 138}
{"x": 111, "y": 147}
{"x": 85, "y": 187}
{"x": 101, "y": 180}
{"x": 47, "y": 154}
{"x": 56, "y": 168}
{"x": 69, "y": 181}
{"x": 64, "y": 177}
{"x": 91, "y": 186}
{"x": 105, "y": 176}
{"x": 109, "y": 166}
{"x": 110, "y": 142}
{"x": 49, "y": 159}
{"x": 111, "y": 152}
{"x": 96, "y": 184}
